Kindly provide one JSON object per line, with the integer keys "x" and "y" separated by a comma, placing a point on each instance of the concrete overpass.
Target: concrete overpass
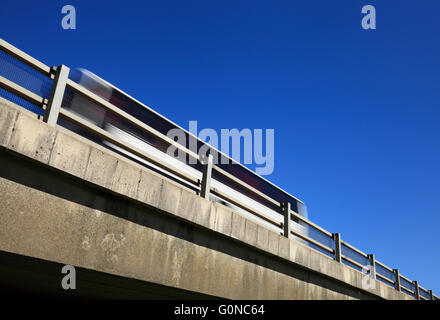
{"x": 86, "y": 180}
{"x": 134, "y": 233}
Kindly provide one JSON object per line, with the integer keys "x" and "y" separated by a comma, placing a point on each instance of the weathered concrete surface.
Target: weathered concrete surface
{"x": 201, "y": 246}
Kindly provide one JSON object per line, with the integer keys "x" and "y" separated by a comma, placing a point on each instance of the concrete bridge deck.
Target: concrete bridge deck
{"x": 66, "y": 200}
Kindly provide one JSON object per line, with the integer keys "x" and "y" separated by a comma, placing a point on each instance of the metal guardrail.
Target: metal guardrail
{"x": 204, "y": 183}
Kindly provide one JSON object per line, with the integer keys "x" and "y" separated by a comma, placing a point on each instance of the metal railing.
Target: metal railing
{"x": 259, "y": 207}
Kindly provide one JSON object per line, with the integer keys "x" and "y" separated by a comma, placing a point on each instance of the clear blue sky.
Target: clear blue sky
{"x": 356, "y": 113}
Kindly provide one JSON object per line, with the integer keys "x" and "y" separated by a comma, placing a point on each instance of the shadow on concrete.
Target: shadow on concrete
{"x": 26, "y": 277}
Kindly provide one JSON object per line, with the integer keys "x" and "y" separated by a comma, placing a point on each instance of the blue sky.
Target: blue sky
{"x": 355, "y": 112}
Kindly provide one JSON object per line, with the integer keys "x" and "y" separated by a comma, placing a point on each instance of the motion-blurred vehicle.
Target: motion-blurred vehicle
{"x": 153, "y": 145}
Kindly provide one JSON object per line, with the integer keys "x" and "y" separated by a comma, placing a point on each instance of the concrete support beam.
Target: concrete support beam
{"x": 397, "y": 281}
{"x": 416, "y": 290}
{"x": 338, "y": 255}
{"x": 56, "y": 96}
{"x": 372, "y": 266}
{"x": 206, "y": 177}
{"x": 286, "y": 207}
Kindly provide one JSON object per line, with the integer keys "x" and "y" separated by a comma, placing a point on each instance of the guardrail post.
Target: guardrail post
{"x": 56, "y": 96}
{"x": 431, "y": 294}
{"x": 372, "y": 266}
{"x": 337, "y": 238}
{"x": 287, "y": 219}
{"x": 416, "y": 290}
{"x": 397, "y": 281}
{"x": 206, "y": 161}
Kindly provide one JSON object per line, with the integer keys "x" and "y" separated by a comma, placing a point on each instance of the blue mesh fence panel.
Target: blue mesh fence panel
{"x": 322, "y": 239}
{"x": 386, "y": 282}
{"x": 353, "y": 255}
{"x": 24, "y": 75}
{"x": 352, "y": 265}
{"x": 408, "y": 285}
{"x": 21, "y": 102}
{"x": 425, "y": 294}
{"x": 320, "y": 250}
{"x": 385, "y": 272}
